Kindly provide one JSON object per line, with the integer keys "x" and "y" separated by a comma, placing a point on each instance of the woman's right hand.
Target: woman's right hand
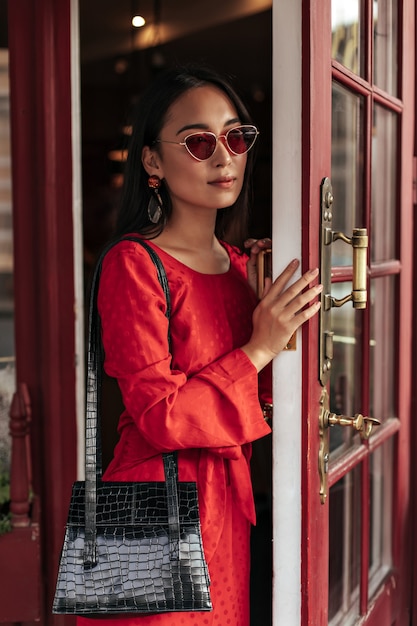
{"x": 280, "y": 312}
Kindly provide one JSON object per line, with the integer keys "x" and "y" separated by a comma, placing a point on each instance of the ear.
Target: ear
{"x": 151, "y": 162}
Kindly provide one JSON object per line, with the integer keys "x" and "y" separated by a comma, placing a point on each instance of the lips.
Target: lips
{"x": 223, "y": 181}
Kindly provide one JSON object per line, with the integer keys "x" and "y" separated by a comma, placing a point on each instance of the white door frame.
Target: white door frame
{"x": 286, "y": 219}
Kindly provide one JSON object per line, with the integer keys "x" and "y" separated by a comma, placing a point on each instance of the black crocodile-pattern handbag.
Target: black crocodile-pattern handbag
{"x": 129, "y": 547}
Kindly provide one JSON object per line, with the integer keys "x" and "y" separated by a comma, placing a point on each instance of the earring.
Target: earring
{"x": 155, "y": 202}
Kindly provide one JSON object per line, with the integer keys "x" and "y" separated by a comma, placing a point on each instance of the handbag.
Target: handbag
{"x": 129, "y": 547}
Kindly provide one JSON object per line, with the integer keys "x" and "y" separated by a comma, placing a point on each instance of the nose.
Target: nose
{"x": 222, "y": 153}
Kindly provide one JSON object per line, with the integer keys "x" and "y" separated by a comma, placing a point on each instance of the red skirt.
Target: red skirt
{"x": 229, "y": 575}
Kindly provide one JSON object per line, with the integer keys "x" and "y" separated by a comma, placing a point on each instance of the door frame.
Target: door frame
{"x": 287, "y": 368}
{"x": 47, "y": 305}
{"x": 295, "y": 431}
{"x": 316, "y": 164}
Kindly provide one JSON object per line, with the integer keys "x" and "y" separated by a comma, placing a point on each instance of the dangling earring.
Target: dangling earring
{"x": 155, "y": 202}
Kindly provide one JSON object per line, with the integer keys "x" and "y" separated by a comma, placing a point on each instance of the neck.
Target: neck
{"x": 196, "y": 233}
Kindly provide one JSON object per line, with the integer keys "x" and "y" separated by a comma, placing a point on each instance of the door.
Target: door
{"x": 44, "y": 123}
{"x": 357, "y": 204}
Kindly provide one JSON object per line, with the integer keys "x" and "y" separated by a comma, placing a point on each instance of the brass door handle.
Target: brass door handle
{"x": 358, "y": 295}
{"x": 359, "y": 243}
{"x": 363, "y": 425}
{"x": 360, "y": 423}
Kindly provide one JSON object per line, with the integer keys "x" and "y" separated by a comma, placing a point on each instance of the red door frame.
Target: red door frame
{"x": 316, "y": 165}
{"x": 40, "y": 88}
{"x": 406, "y": 459}
{"x": 317, "y": 76}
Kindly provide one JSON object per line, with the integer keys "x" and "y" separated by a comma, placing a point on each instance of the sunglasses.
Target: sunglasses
{"x": 202, "y": 145}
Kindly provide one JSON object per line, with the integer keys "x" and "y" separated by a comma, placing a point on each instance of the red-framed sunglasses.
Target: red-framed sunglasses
{"x": 202, "y": 145}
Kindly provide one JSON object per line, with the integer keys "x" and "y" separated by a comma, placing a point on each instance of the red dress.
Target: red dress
{"x": 203, "y": 401}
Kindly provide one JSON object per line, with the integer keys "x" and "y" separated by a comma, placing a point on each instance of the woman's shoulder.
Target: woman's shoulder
{"x": 129, "y": 274}
{"x": 127, "y": 262}
{"x": 131, "y": 246}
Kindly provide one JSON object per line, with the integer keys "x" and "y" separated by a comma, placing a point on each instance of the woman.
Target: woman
{"x": 186, "y": 188}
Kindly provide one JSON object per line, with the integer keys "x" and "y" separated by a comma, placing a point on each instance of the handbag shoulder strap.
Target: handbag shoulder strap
{"x": 93, "y": 456}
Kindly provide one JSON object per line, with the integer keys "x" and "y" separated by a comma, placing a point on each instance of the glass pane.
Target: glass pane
{"x": 347, "y": 37}
{"x": 347, "y": 168}
{"x": 383, "y": 344}
{"x": 384, "y": 184}
{"x": 380, "y": 549}
{"x": 344, "y": 549}
{"x": 346, "y": 374}
{"x": 385, "y": 45}
{"x": 7, "y": 376}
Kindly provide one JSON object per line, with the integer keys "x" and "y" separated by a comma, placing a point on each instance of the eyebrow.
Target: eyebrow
{"x": 201, "y": 126}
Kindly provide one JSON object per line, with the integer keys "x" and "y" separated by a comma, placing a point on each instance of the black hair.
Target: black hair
{"x": 149, "y": 118}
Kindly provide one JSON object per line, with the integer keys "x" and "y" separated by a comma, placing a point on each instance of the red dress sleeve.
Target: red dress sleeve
{"x": 210, "y": 402}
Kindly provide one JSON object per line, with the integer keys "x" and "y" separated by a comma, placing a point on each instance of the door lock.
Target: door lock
{"x": 358, "y": 295}
{"x": 361, "y": 424}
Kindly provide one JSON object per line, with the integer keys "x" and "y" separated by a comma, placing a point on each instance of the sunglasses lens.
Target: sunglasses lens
{"x": 241, "y": 139}
{"x": 201, "y": 145}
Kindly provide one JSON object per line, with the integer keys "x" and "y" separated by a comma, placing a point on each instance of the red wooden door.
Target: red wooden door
{"x": 358, "y": 148}
{"x": 45, "y": 307}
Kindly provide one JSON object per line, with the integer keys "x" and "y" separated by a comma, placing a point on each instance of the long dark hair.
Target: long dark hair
{"x": 149, "y": 118}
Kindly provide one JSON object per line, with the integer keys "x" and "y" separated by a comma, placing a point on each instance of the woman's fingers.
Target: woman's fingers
{"x": 281, "y": 311}
{"x": 299, "y": 305}
{"x": 286, "y": 294}
{"x": 291, "y": 304}
{"x": 256, "y": 245}
{"x": 307, "y": 313}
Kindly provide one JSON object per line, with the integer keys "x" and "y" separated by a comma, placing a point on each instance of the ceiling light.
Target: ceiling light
{"x": 138, "y": 21}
